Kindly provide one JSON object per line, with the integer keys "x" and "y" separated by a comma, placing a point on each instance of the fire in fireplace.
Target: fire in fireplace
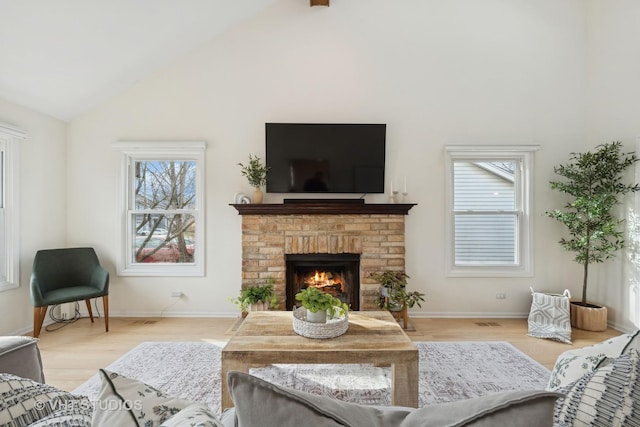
{"x": 336, "y": 274}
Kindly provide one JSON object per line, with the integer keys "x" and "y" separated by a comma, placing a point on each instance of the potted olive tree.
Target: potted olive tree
{"x": 256, "y": 174}
{"x": 256, "y": 298}
{"x": 594, "y": 181}
{"x": 320, "y": 304}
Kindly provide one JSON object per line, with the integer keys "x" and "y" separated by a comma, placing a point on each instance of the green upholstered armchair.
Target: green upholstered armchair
{"x": 67, "y": 275}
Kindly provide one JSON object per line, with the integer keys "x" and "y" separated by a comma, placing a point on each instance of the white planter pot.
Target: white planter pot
{"x": 259, "y": 306}
{"x": 387, "y": 293}
{"x": 319, "y": 316}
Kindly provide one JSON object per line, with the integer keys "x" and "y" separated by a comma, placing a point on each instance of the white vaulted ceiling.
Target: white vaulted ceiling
{"x": 61, "y": 57}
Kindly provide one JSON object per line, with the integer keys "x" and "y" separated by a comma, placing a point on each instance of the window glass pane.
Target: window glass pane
{"x": 485, "y": 239}
{"x": 164, "y": 238}
{"x": 165, "y": 184}
{"x": 3, "y": 252}
{"x": 484, "y": 185}
{"x": 3, "y": 249}
{"x": 2, "y": 180}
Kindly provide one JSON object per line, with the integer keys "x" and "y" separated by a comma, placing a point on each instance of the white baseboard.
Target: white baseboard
{"x": 466, "y": 315}
{"x": 233, "y": 314}
{"x": 625, "y": 329}
{"x": 189, "y": 314}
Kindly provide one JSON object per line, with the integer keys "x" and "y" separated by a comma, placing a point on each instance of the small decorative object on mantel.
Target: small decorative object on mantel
{"x": 394, "y": 194}
{"x": 319, "y": 2}
{"x": 241, "y": 199}
{"x": 405, "y": 192}
{"x": 594, "y": 180}
{"x": 256, "y": 173}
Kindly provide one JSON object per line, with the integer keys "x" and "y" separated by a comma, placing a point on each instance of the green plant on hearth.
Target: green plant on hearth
{"x": 256, "y": 294}
{"x": 594, "y": 180}
{"x": 315, "y": 300}
{"x": 255, "y": 171}
{"x": 393, "y": 294}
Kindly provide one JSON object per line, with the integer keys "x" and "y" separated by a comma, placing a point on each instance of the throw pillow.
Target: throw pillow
{"x": 574, "y": 364}
{"x": 549, "y": 317}
{"x": 260, "y": 403}
{"x": 530, "y": 408}
{"x": 608, "y": 397}
{"x": 634, "y": 342}
{"x": 20, "y": 356}
{"x": 124, "y": 401}
{"x": 571, "y": 367}
{"x": 28, "y": 402}
{"x": 196, "y": 415}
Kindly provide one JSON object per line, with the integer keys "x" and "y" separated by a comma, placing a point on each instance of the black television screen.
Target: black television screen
{"x": 325, "y": 158}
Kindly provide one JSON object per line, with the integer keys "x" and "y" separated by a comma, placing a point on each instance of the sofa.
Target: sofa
{"x": 595, "y": 385}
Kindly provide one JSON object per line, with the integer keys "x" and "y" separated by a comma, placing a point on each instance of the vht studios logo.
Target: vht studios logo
{"x": 83, "y": 404}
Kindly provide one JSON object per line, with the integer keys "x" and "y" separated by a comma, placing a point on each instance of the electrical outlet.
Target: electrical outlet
{"x": 501, "y": 295}
{"x": 67, "y": 310}
{"x": 176, "y": 294}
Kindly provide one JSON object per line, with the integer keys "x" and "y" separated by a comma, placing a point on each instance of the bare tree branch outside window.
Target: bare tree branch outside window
{"x": 165, "y": 194}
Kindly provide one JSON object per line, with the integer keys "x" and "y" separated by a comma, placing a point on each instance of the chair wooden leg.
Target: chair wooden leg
{"x": 38, "y": 319}
{"x": 105, "y": 304}
{"x": 88, "y": 302}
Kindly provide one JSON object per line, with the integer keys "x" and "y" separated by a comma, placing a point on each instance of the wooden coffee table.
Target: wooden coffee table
{"x": 267, "y": 337}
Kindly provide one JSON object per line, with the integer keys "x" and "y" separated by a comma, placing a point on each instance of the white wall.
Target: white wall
{"x": 613, "y": 112}
{"x": 437, "y": 72}
{"x": 42, "y": 194}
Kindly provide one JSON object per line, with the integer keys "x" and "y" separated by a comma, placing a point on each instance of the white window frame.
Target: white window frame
{"x": 133, "y": 151}
{"x": 10, "y": 137}
{"x": 524, "y": 156}
{"x": 634, "y": 291}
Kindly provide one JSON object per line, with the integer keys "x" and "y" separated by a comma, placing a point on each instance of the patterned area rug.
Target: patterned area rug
{"x": 448, "y": 371}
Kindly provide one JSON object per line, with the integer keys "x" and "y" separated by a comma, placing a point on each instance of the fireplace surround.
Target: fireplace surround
{"x": 336, "y": 274}
{"x": 271, "y": 232}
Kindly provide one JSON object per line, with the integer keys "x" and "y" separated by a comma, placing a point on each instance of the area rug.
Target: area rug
{"x": 448, "y": 371}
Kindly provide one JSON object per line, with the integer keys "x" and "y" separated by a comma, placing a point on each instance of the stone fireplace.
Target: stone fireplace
{"x": 274, "y": 235}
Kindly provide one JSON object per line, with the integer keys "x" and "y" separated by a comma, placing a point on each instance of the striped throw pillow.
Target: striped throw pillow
{"x": 607, "y": 397}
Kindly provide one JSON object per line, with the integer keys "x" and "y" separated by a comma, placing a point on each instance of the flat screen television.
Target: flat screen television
{"x": 325, "y": 158}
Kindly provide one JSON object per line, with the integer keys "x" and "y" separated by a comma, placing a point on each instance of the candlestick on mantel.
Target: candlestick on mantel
{"x": 393, "y": 197}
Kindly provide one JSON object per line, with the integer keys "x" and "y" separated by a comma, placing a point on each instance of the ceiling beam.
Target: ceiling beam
{"x": 319, "y": 2}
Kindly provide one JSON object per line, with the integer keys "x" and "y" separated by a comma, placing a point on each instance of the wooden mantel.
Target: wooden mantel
{"x": 319, "y": 208}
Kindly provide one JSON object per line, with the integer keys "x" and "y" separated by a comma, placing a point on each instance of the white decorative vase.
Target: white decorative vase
{"x": 259, "y": 306}
{"x": 319, "y": 316}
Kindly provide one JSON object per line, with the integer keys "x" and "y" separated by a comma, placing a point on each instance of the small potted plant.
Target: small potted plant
{"x": 320, "y": 304}
{"x": 256, "y": 298}
{"x": 256, "y": 174}
{"x": 594, "y": 180}
{"x": 393, "y": 291}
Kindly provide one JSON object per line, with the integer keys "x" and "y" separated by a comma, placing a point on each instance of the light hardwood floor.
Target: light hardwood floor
{"x": 72, "y": 354}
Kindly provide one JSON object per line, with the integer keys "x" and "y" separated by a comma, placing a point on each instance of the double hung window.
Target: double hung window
{"x": 162, "y": 209}
{"x": 489, "y": 210}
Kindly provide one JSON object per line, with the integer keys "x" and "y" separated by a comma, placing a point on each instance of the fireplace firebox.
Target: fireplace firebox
{"x": 337, "y": 274}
